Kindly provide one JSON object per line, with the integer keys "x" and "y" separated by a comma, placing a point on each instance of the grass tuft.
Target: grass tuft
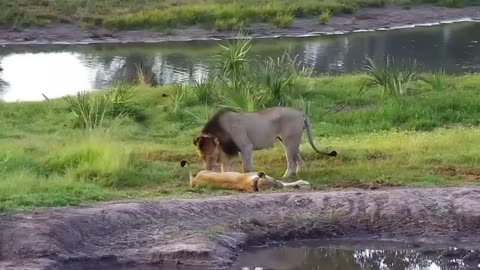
{"x": 394, "y": 79}
{"x": 283, "y": 21}
{"x": 325, "y": 16}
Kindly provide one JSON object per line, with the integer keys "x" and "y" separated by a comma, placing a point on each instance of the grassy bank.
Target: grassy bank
{"x": 406, "y": 128}
{"x": 218, "y": 14}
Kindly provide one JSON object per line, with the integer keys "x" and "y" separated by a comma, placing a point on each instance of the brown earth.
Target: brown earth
{"x": 211, "y": 232}
{"x": 368, "y": 18}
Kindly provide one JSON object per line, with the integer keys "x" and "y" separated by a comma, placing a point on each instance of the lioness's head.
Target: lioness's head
{"x": 208, "y": 148}
{"x": 267, "y": 182}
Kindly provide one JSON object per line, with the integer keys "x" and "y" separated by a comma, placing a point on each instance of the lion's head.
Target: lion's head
{"x": 267, "y": 182}
{"x": 208, "y": 149}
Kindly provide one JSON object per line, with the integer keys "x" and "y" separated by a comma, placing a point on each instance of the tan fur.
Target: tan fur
{"x": 229, "y": 134}
{"x": 244, "y": 182}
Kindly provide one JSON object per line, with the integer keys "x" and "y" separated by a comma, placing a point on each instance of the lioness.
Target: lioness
{"x": 229, "y": 133}
{"x": 246, "y": 182}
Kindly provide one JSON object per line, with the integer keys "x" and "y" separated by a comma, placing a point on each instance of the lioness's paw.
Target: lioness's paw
{"x": 303, "y": 184}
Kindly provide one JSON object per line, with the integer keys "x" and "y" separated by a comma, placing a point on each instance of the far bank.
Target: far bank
{"x": 364, "y": 19}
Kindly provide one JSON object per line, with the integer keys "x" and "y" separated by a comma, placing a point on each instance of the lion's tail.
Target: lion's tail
{"x": 190, "y": 176}
{"x": 310, "y": 138}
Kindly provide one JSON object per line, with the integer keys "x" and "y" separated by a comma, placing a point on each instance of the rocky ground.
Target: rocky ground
{"x": 211, "y": 232}
{"x": 368, "y": 18}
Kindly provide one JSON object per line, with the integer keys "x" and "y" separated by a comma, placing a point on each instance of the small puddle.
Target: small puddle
{"x": 348, "y": 255}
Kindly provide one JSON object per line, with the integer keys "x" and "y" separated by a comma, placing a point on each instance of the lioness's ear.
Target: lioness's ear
{"x": 261, "y": 174}
{"x": 215, "y": 141}
{"x": 195, "y": 141}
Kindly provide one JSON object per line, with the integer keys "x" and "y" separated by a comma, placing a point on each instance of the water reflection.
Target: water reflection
{"x": 346, "y": 258}
{"x": 58, "y": 70}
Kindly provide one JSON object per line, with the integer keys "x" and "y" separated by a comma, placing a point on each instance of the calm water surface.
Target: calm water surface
{"x": 337, "y": 256}
{"x": 58, "y": 70}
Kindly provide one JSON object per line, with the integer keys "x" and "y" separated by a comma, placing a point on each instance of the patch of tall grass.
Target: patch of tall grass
{"x": 325, "y": 16}
{"x": 232, "y": 62}
{"x": 92, "y": 110}
{"x": 141, "y": 14}
{"x": 277, "y": 77}
{"x": 96, "y": 158}
{"x": 25, "y": 189}
{"x": 250, "y": 83}
{"x": 283, "y": 21}
{"x": 394, "y": 79}
{"x": 437, "y": 80}
{"x": 226, "y": 16}
{"x": 44, "y": 162}
{"x": 453, "y": 3}
{"x": 204, "y": 89}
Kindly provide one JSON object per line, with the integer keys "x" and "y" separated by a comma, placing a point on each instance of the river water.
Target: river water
{"x": 58, "y": 70}
{"x": 322, "y": 255}
{"x": 330, "y": 255}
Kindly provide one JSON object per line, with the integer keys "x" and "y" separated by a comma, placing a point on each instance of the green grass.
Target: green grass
{"x": 325, "y": 16}
{"x": 415, "y": 140}
{"x": 218, "y": 14}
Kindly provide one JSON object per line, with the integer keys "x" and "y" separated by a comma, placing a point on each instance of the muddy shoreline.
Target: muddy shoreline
{"x": 367, "y": 19}
{"x": 211, "y": 232}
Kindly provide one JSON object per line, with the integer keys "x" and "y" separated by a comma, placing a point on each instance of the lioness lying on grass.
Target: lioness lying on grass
{"x": 245, "y": 182}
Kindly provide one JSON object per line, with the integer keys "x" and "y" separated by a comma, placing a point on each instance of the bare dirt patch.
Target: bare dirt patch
{"x": 367, "y": 18}
{"x": 210, "y": 232}
{"x": 470, "y": 174}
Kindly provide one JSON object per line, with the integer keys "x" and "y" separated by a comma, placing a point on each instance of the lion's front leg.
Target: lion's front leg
{"x": 247, "y": 158}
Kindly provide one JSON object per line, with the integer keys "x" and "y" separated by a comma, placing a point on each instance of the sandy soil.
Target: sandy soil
{"x": 369, "y": 18}
{"x": 211, "y": 232}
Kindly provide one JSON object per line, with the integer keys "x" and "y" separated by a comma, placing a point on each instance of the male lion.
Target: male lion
{"x": 229, "y": 133}
{"x": 245, "y": 182}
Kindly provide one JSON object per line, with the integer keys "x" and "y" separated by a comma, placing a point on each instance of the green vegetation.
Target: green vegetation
{"x": 395, "y": 80}
{"x": 325, "y": 16}
{"x": 218, "y": 14}
{"x": 453, "y": 3}
{"x": 283, "y": 21}
{"x": 127, "y": 142}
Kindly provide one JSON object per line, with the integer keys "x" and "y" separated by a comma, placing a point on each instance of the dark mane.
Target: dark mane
{"x": 214, "y": 127}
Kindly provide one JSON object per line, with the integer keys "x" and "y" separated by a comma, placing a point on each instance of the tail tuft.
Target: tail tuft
{"x": 333, "y": 154}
